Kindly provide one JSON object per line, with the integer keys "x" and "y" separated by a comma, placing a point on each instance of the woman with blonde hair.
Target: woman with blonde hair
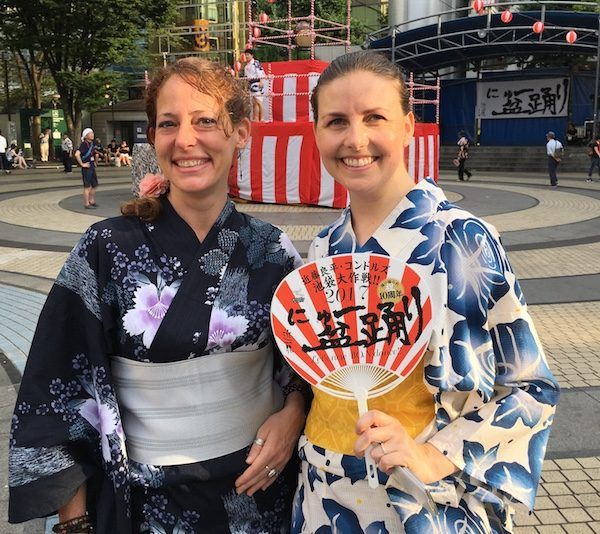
{"x": 153, "y": 400}
{"x": 471, "y": 421}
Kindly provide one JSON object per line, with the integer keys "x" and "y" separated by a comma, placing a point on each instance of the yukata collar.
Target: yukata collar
{"x": 403, "y": 224}
{"x": 173, "y": 218}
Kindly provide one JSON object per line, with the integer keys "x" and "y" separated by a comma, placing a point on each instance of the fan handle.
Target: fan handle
{"x": 372, "y": 478}
{"x": 408, "y": 481}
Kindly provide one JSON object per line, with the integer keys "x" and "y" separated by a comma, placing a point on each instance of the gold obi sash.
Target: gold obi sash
{"x": 331, "y": 422}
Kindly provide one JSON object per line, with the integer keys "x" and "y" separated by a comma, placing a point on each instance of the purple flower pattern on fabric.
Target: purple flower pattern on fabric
{"x": 104, "y": 419}
{"x": 224, "y": 328}
{"x": 151, "y": 305}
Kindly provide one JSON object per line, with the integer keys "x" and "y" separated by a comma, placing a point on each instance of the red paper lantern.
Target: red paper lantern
{"x": 249, "y": 45}
{"x": 271, "y": 1}
{"x": 242, "y": 58}
{"x": 571, "y": 37}
{"x": 263, "y": 18}
{"x": 256, "y": 33}
{"x": 237, "y": 66}
{"x": 538, "y": 27}
{"x": 506, "y": 16}
{"x": 478, "y": 6}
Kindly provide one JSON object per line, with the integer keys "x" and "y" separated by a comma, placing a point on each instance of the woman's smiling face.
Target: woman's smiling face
{"x": 192, "y": 148}
{"x": 362, "y": 131}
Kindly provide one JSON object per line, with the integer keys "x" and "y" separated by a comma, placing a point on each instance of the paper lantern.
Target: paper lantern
{"x": 249, "y": 46}
{"x": 263, "y": 18}
{"x": 237, "y": 66}
{"x": 538, "y": 27}
{"x": 478, "y": 6}
{"x": 256, "y": 32}
{"x": 243, "y": 58}
{"x": 571, "y": 37}
{"x": 506, "y": 16}
{"x": 271, "y": 1}
{"x": 303, "y": 34}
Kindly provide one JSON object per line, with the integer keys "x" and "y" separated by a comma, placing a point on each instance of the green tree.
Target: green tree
{"x": 79, "y": 40}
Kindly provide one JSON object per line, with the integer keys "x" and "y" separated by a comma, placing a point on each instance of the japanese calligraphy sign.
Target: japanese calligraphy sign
{"x": 522, "y": 99}
{"x": 352, "y": 309}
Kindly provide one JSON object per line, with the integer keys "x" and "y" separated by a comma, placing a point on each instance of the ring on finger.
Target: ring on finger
{"x": 272, "y": 472}
{"x": 259, "y": 442}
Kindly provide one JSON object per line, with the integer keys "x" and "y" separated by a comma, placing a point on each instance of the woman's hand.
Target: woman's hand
{"x": 279, "y": 435}
{"x": 394, "y": 447}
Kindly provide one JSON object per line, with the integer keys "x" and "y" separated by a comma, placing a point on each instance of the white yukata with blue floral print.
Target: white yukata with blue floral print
{"x": 493, "y": 392}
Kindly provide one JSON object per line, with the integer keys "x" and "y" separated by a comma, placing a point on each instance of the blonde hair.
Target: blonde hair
{"x": 360, "y": 61}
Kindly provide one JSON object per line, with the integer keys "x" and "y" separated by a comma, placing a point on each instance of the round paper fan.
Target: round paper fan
{"x": 353, "y": 325}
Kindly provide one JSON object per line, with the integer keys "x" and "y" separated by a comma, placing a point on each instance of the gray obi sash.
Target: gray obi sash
{"x": 193, "y": 410}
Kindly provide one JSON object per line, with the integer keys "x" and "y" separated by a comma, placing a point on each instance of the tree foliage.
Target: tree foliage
{"x": 79, "y": 40}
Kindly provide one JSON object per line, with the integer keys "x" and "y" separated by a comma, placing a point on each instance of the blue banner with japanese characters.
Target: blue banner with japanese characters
{"x": 523, "y": 99}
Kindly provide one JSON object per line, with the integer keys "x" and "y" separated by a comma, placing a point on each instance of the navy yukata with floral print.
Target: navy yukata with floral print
{"x": 493, "y": 394}
{"x": 149, "y": 292}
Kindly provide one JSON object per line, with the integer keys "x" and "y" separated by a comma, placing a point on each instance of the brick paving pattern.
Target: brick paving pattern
{"x": 569, "y": 495}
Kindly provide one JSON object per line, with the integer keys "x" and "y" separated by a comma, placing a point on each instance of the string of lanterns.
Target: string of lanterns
{"x": 507, "y": 16}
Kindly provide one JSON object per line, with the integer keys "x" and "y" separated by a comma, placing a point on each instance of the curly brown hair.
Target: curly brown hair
{"x": 209, "y": 78}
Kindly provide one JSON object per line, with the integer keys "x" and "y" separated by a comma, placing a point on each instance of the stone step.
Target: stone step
{"x": 522, "y": 159}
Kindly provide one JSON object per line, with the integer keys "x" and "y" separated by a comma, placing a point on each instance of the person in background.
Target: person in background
{"x": 45, "y": 144}
{"x": 554, "y": 150}
{"x": 66, "y": 146}
{"x": 154, "y": 400}
{"x": 594, "y": 153}
{"x": 15, "y": 156}
{"x": 101, "y": 153}
{"x": 111, "y": 149}
{"x": 86, "y": 158}
{"x": 472, "y": 420}
{"x": 463, "y": 154}
{"x": 255, "y": 75}
{"x": 571, "y": 134}
{"x": 4, "y": 164}
{"x": 123, "y": 154}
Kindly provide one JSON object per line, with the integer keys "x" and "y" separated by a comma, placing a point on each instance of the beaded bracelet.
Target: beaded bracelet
{"x": 77, "y": 525}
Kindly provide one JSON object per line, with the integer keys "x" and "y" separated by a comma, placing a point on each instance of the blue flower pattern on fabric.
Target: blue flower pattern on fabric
{"x": 475, "y": 269}
{"x": 493, "y": 391}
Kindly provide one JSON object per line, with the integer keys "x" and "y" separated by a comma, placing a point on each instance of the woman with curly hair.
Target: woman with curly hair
{"x": 153, "y": 400}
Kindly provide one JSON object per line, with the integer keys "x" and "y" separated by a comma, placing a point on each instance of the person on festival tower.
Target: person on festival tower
{"x": 255, "y": 75}
{"x": 472, "y": 420}
{"x": 152, "y": 400}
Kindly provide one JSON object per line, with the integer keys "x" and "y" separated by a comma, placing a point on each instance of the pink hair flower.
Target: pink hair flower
{"x": 153, "y": 185}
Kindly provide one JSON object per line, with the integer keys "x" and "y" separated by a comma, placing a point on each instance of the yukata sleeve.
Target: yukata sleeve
{"x": 286, "y": 377}
{"x": 494, "y": 359}
{"x": 55, "y": 444}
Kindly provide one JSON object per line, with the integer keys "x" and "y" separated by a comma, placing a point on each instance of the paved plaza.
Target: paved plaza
{"x": 553, "y": 239}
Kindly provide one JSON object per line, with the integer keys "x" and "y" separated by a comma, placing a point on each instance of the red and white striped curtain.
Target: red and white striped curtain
{"x": 287, "y": 97}
{"x": 281, "y": 165}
